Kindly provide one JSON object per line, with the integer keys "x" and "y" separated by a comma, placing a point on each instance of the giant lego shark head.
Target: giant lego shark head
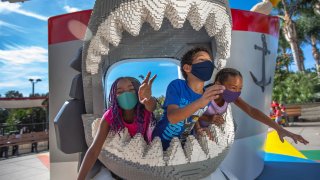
{"x": 111, "y": 19}
{"x": 126, "y": 29}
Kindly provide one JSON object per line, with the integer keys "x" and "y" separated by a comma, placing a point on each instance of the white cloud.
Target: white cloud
{"x": 23, "y": 55}
{"x": 11, "y": 26}
{"x": 70, "y": 9}
{"x": 167, "y": 64}
{"x": 8, "y": 84}
{"x": 19, "y": 64}
{"x": 16, "y": 77}
{"x": 6, "y": 7}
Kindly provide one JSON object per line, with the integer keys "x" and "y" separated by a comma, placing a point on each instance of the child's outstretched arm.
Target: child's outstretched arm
{"x": 260, "y": 116}
{"x": 176, "y": 114}
{"x": 145, "y": 93}
{"x": 94, "y": 150}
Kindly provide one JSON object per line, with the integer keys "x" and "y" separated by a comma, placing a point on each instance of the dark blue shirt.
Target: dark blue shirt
{"x": 178, "y": 93}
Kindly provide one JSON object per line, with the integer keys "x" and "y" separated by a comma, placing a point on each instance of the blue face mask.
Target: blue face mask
{"x": 127, "y": 100}
{"x": 203, "y": 70}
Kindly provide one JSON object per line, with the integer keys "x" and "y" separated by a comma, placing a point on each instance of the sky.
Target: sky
{"x": 165, "y": 70}
{"x": 24, "y": 41}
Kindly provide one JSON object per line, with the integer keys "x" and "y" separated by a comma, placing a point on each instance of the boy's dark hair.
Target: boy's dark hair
{"x": 223, "y": 74}
{"x": 187, "y": 58}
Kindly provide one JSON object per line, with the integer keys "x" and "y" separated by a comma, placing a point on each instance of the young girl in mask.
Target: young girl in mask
{"x": 186, "y": 99}
{"x": 231, "y": 79}
{"x": 130, "y": 106}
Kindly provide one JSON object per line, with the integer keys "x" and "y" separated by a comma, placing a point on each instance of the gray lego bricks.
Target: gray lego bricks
{"x": 128, "y": 29}
{"x": 69, "y": 127}
{"x": 133, "y": 158}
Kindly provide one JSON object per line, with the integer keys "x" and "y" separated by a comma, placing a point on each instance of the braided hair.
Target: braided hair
{"x": 117, "y": 124}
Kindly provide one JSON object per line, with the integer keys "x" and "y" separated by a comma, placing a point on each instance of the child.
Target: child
{"x": 185, "y": 99}
{"x": 130, "y": 106}
{"x": 278, "y": 115}
{"x": 232, "y": 80}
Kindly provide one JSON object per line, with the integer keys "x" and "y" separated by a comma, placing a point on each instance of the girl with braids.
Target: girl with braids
{"x": 231, "y": 79}
{"x": 130, "y": 106}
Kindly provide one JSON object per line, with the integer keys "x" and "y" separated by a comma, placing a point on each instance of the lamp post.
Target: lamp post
{"x": 34, "y": 81}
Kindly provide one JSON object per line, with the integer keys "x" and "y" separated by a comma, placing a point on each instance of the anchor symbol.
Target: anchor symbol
{"x": 265, "y": 51}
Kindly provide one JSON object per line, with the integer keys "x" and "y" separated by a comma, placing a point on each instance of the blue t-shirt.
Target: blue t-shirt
{"x": 178, "y": 93}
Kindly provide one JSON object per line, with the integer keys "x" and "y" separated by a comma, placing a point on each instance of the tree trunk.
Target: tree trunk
{"x": 289, "y": 31}
{"x": 301, "y": 57}
{"x": 315, "y": 53}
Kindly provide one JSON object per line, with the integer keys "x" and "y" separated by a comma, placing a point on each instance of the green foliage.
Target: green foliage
{"x": 297, "y": 87}
{"x": 17, "y": 118}
{"x": 3, "y": 115}
{"x": 159, "y": 111}
{"x": 283, "y": 62}
{"x": 308, "y": 25}
{"x": 13, "y": 94}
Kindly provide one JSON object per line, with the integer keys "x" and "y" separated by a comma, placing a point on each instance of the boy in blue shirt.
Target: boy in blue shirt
{"x": 186, "y": 100}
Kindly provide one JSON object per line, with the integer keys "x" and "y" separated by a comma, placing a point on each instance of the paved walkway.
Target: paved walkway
{"x": 26, "y": 167}
{"x": 310, "y": 131}
{"x": 37, "y": 166}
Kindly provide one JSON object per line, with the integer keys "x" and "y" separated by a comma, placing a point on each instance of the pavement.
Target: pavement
{"x": 37, "y": 166}
{"x": 308, "y": 130}
{"x": 27, "y": 167}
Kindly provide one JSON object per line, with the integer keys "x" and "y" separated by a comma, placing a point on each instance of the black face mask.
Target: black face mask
{"x": 203, "y": 70}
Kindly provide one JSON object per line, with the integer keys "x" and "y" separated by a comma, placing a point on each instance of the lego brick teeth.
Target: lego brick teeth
{"x": 154, "y": 154}
{"x": 175, "y": 154}
{"x": 193, "y": 150}
{"x": 136, "y": 149}
{"x": 130, "y": 16}
{"x": 121, "y": 151}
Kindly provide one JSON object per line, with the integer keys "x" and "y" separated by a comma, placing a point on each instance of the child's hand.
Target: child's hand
{"x": 145, "y": 88}
{"x": 282, "y": 133}
{"x": 217, "y": 120}
{"x": 211, "y": 93}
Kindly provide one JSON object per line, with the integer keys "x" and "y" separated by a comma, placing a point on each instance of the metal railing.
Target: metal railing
{"x": 23, "y": 128}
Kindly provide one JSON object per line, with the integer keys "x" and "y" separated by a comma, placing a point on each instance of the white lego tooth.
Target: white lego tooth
{"x": 175, "y": 153}
{"x": 193, "y": 150}
{"x": 131, "y": 15}
{"x": 154, "y": 11}
{"x": 131, "y": 18}
{"x": 154, "y": 155}
{"x": 135, "y": 149}
{"x": 177, "y": 11}
{"x": 100, "y": 45}
{"x": 113, "y": 31}
{"x": 198, "y": 14}
{"x": 214, "y": 149}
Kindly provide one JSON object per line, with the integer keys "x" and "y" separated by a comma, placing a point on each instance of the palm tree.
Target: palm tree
{"x": 309, "y": 26}
{"x": 286, "y": 10}
{"x": 284, "y": 58}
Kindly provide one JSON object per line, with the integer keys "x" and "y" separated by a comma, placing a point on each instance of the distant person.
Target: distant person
{"x": 23, "y": 130}
{"x": 278, "y": 115}
{"x": 284, "y": 113}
